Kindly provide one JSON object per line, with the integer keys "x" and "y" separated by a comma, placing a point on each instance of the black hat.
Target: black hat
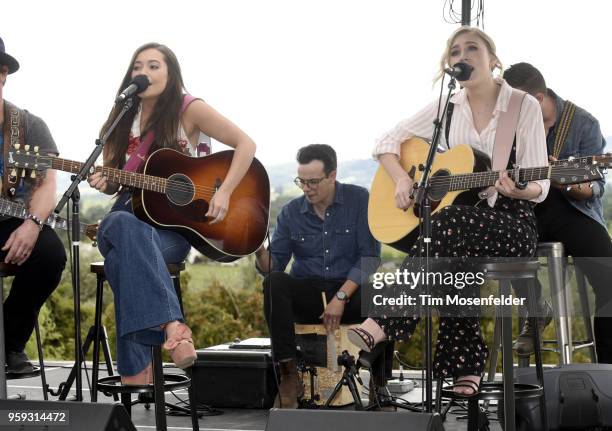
{"x": 7, "y": 60}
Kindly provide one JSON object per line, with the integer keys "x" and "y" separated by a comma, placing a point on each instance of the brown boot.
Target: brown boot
{"x": 291, "y": 387}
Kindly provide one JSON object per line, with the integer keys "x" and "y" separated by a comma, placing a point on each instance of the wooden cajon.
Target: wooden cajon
{"x": 327, "y": 378}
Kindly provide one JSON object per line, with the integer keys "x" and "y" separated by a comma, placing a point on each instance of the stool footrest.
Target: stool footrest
{"x": 495, "y": 391}
{"x": 113, "y": 385}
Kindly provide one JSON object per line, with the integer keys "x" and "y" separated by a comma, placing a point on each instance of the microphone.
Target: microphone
{"x": 138, "y": 84}
{"x": 461, "y": 71}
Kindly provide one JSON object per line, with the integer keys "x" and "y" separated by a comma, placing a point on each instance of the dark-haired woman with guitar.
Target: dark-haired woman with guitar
{"x": 503, "y": 226}
{"x": 146, "y": 306}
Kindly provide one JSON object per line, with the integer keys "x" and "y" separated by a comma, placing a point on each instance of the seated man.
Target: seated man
{"x": 572, "y": 215}
{"x": 326, "y": 232}
{"x": 28, "y": 243}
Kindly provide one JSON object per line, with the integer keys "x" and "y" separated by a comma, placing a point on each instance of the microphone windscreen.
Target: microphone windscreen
{"x": 466, "y": 71}
{"x": 141, "y": 81}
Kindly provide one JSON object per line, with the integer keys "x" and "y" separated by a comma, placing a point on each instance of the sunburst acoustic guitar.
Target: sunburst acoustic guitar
{"x": 173, "y": 192}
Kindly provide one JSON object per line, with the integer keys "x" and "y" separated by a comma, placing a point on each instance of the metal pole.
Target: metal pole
{"x": 466, "y": 12}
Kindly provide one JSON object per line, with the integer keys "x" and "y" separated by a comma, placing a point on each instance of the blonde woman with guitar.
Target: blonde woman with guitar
{"x": 503, "y": 225}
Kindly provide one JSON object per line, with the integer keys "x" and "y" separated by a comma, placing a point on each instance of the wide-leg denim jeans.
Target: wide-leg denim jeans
{"x": 135, "y": 255}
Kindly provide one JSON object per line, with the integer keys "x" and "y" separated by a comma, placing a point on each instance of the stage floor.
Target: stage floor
{"x": 230, "y": 419}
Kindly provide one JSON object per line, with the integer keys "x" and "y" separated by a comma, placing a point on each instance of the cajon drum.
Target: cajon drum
{"x": 317, "y": 351}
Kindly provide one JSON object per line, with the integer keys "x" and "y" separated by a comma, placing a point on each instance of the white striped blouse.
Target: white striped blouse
{"x": 531, "y": 150}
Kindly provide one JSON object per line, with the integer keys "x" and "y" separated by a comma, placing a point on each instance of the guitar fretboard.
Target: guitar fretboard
{"x": 485, "y": 179}
{"x": 18, "y": 210}
{"x": 132, "y": 179}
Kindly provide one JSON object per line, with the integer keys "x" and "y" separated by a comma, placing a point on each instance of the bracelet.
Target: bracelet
{"x": 35, "y": 219}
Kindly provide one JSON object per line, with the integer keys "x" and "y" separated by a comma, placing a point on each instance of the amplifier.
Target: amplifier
{"x": 235, "y": 375}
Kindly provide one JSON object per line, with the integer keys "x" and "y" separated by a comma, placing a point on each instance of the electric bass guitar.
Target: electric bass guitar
{"x": 173, "y": 192}
{"x": 453, "y": 172}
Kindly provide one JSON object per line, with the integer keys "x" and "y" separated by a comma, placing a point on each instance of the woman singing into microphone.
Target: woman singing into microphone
{"x": 503, "y": 226}
{"x": 146, "y": 306}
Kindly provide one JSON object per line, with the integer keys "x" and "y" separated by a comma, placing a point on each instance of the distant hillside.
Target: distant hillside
{"x": 358, "y": 172}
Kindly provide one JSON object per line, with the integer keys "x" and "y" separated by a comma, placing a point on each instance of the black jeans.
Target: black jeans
{"x": 589, "y": 244}
{"x": 34, "y": 282}
{"x": 289, "y": 300}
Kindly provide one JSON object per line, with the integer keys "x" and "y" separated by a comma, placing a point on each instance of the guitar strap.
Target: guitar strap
{"x": 14, "y": 133}
{"x": 562, "y": 129}
{"x": 142, "y": 151}
{"x": 449, "y": 117}
{"x": 505, "y": 136}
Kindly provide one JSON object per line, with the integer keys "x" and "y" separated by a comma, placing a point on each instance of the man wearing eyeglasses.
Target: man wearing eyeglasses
{"x": 326, "y": 233}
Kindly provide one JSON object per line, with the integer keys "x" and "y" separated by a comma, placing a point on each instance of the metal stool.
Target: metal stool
{"x": 507, "y": 390}
{"x": 562, "y": 300}
{"x": 7, "y": 270}
{"x": 161, "y": 382}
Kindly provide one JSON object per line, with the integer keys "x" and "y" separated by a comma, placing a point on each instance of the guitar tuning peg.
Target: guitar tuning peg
{"x": 570, "y": 158}
{"x": 13, "y": 172}
{"x": 26, "y": 147}
{"x": 33, "y": 174}
{"x": 17, "y": 146}
{"x": 36, "y": 148}
{"x": 23, "y": 173}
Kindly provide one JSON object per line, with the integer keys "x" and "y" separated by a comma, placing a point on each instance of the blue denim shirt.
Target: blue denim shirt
{"x": 584, "y": 139}
{"x": 340, "y": 247}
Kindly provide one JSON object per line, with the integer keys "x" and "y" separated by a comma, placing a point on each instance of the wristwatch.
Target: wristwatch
{"x": 342, "y": 296}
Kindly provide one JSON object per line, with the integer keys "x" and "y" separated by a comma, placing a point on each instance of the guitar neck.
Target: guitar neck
{"x": 18, "y": 210}
{"x": 131, "y": 179}
{"x": 486, "y": 179}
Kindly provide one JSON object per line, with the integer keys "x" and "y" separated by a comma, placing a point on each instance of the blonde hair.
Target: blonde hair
{"x": 444, "y": 60}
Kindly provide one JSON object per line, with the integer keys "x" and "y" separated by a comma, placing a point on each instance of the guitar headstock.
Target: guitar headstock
{"x": 579, "y": 170}
{"x": 604, "y": 161}
{"x": 26, "y": 161}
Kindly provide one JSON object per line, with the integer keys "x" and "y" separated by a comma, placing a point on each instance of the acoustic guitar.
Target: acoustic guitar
{"x": 173, "y": 192}
{"x": 453, "y": 172}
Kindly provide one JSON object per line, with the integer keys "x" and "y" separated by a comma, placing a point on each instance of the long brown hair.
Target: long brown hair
{"x": 164, "y": 120}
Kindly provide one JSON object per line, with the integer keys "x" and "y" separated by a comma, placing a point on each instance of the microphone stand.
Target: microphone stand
{"x": 73, "y": 194}
{"x": 423, "y": 200}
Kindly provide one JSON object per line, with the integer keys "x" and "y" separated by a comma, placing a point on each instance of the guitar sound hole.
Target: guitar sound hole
{"x": 439, "y": 186}
{"x": 180, "y": 190}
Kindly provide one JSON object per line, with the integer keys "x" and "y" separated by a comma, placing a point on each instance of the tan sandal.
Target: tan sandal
{"x": 180, "y": 345}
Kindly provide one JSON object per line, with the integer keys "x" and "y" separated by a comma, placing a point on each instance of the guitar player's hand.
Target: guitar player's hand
{"x": 218, "y": 206}
{"x": 21, "y": 242}
{"x": 403, "y": 191}
{"x": 99, "y": 182}
{"x": 507, "y": 187}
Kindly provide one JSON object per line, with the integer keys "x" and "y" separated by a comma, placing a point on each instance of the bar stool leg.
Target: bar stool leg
{"x": 558, "y": 293}
{"x": 586, "y": 311}
{"x": 496, "y": 346}
{"x": 41, "y": 361}
{"x": 508, "y": 366}
{"x": 158, "y": 389}
{"x": 192, "y": 401}
{"x": 96, "y": 347}
{"x": 538, "y": 353}
{"x": 3, "y": 391}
